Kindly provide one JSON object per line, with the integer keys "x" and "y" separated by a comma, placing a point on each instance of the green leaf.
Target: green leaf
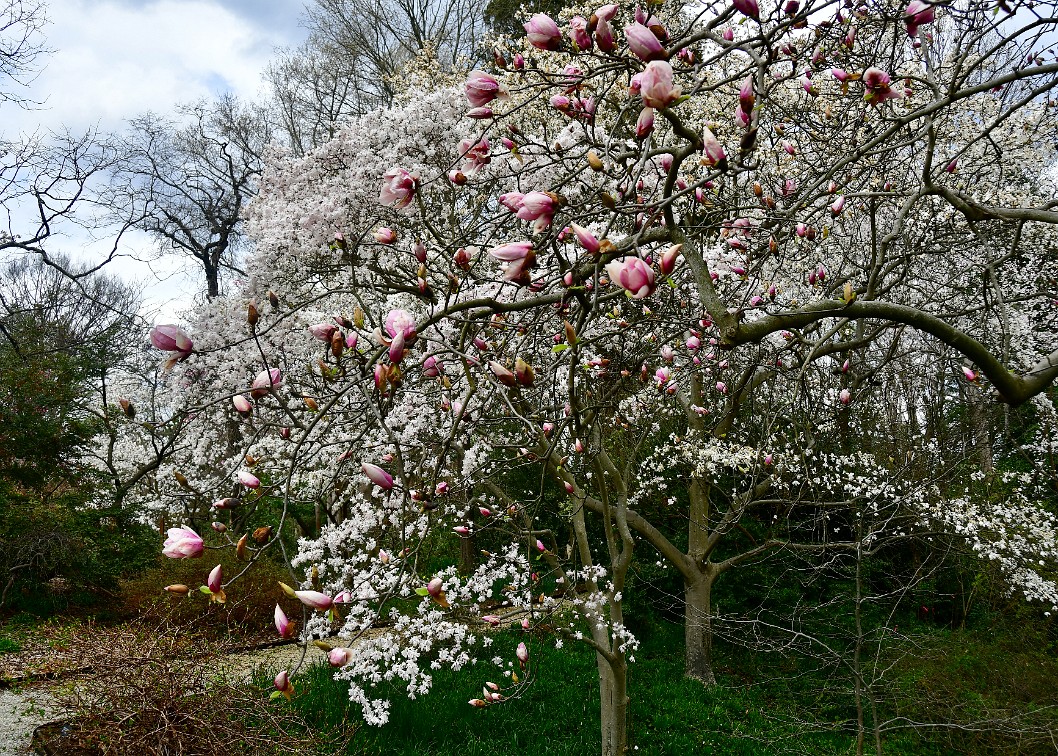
{"x": 205, "y": 589}
{"x": 559, "y": 348}
{"x": 421, "y": 591}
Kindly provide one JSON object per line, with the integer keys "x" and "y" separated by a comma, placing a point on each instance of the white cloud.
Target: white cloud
{"x": 113, "y": 60}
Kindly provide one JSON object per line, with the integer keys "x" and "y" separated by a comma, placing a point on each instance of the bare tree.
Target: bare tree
{"x": 21, "y": 44}
{"x": 185, "y": 183}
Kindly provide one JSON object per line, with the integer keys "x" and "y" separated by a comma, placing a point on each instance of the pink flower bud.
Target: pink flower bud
{"x": 248, "y": 479}
{"x": 642, "y": 42}
{"x": 377, "y": 475}
{"x": 314, "y": 600}
{"x": 384, "y": 235}
{"x": 747, "y": 8}
{"x": 845, "y": 396}
{"x": 543, "y": 33}
{"x": 171, "y": 338}
{"x": 183, "y": 543}
{"x": 522, "y": 653}
{"x": 967, "y": 372}
{"x": 435, "y": 587}
{"x": 462, "y": 530}
{"x": 283, "y": 625}
{"x": 586, "y": 239}
{"x": 215, "y": 579}
{"x": 338, "y": 657}
{"x": 645, "y": 123}
{"x": 714, "y": 151}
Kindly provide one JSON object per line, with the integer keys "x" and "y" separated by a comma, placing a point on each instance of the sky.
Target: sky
{"x": 114, "y": 59}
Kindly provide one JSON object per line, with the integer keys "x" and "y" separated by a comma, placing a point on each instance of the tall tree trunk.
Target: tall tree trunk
{"x": 698, "y": 630}
{"x": 613, "y": 703}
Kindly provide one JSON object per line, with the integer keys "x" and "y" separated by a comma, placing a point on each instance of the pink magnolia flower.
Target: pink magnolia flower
{"x": 633, "y": 275}
{"x": 283, "y": 625}
{"x": 475, "y": 154}
{"x": 482, "y": 89}
{"x": 519, "y": 257}
{"x": 642, "y": 42}
{"x": 248, "y": 479}
{"x": 377, "y": 475}
{"x": 917, "y": 14}
{"x": 522, "y": 653}
{"x": 215, "y": 579}
{"x": 538, "y": 206}
{"x": 400, "y": 321}
{"x": 604, "y": 36}
{"x": 837, "y": 206}
{"x": 578, "y": 34}
{"x": 878, "y": 86}
{"x": 512, "y": 200}
{"x": 338, "y": 657}
{"x": 543, "y": 33}
{"x": 384, "y": 235}
{"x": 264, "y": 381}
{"x": 171, "y": 338}
{"x": 587, "y": 239}
{"x": 645, "y": 123}
{"x": 714, "y": 151}
{"x": 967, "y": 372}
{"x": 183, "y": 543}
{"x": 606, "y": 12}
{"x": 398, "y": 187}
{"x": 314, "y": 600}
{"x": 242, "y": 405}
{"x": 323, "y": 331}
{"x": 845, "y": 396}
{"x": 747, "y": 8}
{"x": 656, "y": 85}
{"x": 432, "y": 367}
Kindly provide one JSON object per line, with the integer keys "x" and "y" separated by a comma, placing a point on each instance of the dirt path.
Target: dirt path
{"x": 22, "y": 711}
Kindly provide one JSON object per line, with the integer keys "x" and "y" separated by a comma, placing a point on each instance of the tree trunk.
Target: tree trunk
{"x": 613, "y": 704}
{"x": 698, "y": 631}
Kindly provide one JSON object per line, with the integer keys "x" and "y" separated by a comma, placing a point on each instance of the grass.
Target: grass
{"x": 763, "y": 704}
{"x": 558, "y": 714}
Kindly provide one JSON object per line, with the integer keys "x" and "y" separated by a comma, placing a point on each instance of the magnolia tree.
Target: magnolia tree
{"x": 680, "y": 240}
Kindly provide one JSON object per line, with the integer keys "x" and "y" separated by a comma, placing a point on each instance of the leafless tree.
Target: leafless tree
{"x": 185, "y": 182}
{"x": 21, "y": 44}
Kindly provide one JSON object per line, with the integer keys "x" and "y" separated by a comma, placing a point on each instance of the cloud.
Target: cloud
{"x": 116, "y": 59}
